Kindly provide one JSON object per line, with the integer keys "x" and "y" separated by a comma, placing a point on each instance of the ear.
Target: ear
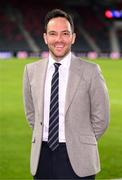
{"x": 45, "y": 38}
{"x": 73, "y": 38}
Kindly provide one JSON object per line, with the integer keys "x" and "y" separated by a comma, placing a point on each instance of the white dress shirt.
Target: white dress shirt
{"x": 63, "y": 79}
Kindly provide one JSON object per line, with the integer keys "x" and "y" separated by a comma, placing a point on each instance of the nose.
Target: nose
{"x": 59, "y": 38}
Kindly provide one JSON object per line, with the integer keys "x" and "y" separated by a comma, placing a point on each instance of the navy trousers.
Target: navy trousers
{"x": 56, "y": 164}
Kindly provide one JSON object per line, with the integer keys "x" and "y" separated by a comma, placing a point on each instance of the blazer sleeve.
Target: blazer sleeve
{"x": 28, "y": 101}
{"x": 99, "y": 99}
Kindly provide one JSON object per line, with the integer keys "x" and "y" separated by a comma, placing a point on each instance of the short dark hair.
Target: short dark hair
{"x": 58, "y": 13}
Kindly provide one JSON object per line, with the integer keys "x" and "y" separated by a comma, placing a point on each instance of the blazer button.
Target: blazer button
{"x": 41, "y": 123}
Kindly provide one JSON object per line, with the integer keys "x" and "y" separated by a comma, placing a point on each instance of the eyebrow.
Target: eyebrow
{"x": 53, "y": 31}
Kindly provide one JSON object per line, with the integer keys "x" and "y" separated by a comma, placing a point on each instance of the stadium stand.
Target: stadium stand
{"x": 22, "y": 28}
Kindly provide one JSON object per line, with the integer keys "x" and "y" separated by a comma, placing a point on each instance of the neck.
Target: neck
{"x": 58, "y": 59}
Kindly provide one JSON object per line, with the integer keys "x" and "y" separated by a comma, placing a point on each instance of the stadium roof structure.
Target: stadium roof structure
{"x": 69, "y": 3}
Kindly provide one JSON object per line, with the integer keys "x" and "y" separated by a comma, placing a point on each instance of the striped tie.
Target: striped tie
{"x": 53, "y": 134}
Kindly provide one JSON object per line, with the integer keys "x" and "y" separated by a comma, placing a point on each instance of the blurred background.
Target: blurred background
{"x": 98, "y": 25}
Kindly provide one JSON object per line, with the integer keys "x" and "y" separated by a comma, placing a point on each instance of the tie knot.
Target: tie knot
{"x": 57, "y": 65}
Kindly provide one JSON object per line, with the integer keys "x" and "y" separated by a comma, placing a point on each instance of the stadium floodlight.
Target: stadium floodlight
{"x": 113, "y": 14}
{"x": 108, "y": 14}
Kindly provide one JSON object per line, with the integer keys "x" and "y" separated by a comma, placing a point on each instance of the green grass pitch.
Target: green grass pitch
{"x": 15, "y": 134}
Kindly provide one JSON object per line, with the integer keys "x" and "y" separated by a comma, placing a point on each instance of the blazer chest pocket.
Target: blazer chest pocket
{"x": 90, "y": 140}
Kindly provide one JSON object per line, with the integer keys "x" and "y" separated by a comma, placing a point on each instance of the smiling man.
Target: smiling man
{"x": 59, "y": 37}
{"x": 66, "y": 104}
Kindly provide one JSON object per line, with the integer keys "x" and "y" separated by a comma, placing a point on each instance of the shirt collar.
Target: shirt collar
{"x": 65, "y": 62}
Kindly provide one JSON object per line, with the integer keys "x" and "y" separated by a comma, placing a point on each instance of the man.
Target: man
{"x": 66, "y": 104}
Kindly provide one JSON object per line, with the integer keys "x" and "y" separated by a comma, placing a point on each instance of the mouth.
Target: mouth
{"x": 59, "y": 47}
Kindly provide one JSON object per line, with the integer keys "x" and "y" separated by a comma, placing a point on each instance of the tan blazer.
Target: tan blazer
{"x": 86, "y": 112}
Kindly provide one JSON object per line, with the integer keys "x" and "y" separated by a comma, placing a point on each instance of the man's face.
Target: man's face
{"x": 59, "y": 37}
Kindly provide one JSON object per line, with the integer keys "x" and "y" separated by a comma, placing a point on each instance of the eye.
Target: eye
{"x": 52, "y": 33}
{"x": 66, "y": 33}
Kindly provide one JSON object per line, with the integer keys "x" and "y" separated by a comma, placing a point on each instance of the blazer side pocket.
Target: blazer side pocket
{"x": 90, "y": 140}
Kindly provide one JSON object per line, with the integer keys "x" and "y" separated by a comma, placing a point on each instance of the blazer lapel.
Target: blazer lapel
{"x": 41, "y": 75}
{"x": 75, "y": 73}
